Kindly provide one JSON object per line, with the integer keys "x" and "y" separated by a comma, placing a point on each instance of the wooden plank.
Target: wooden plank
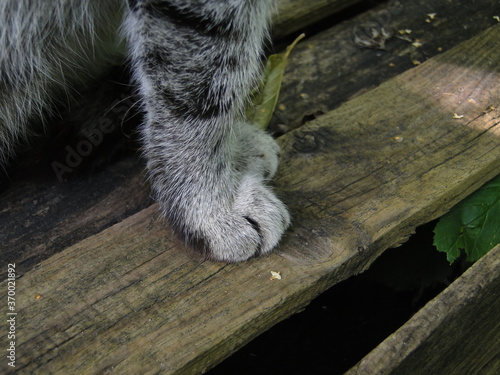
{"x": 399, "y": 152}
{"x": 458, "y": 332}
{"x": 131, "y": 300}
{"x": 330, "y": 68}
{"x": 294, "y": 15}
{"x": 40, "y": 216}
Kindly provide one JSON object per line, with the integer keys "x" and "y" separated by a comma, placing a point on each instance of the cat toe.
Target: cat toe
{"x": 258, "y": 151}
{"x": 254, "y": 227}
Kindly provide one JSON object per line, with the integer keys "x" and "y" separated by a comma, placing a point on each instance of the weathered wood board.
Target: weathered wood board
{"x": 130, "y": 299}
{"x": 458, "y": 332}
{"x": 330, "y": 68}
{"x": 296, "y": 14}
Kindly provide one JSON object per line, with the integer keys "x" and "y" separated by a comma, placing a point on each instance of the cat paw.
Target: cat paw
{"x": 254, "y": 226}
{"x": 258, "y": 152}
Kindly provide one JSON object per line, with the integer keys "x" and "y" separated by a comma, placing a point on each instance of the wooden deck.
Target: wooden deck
{"x": 378, "y": 143}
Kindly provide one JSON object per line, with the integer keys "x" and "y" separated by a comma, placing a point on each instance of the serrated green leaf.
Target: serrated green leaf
{"x": 473, "y": 225}
{"x": 264, "y": 99}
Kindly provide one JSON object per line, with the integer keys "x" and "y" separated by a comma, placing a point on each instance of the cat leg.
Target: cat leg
{"x": 195, "y": 62}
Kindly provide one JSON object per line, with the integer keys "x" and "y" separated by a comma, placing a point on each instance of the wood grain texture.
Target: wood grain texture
{"x": 458, "y": 332}
{"x": 388, "y": 158}
{"x": 329, "y": 68}
{"x": 40, "y": 216}
{"x": 358, "y": 180}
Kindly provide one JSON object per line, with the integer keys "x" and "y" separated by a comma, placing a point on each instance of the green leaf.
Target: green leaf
{"x": 265, "y": 97}
{"x": 472, "y": 225}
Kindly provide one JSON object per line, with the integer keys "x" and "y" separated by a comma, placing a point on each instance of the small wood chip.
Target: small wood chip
{"x": 275, "y": 276}
{"x": 457, "y": 116}
{"x": 431, "y": 17}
